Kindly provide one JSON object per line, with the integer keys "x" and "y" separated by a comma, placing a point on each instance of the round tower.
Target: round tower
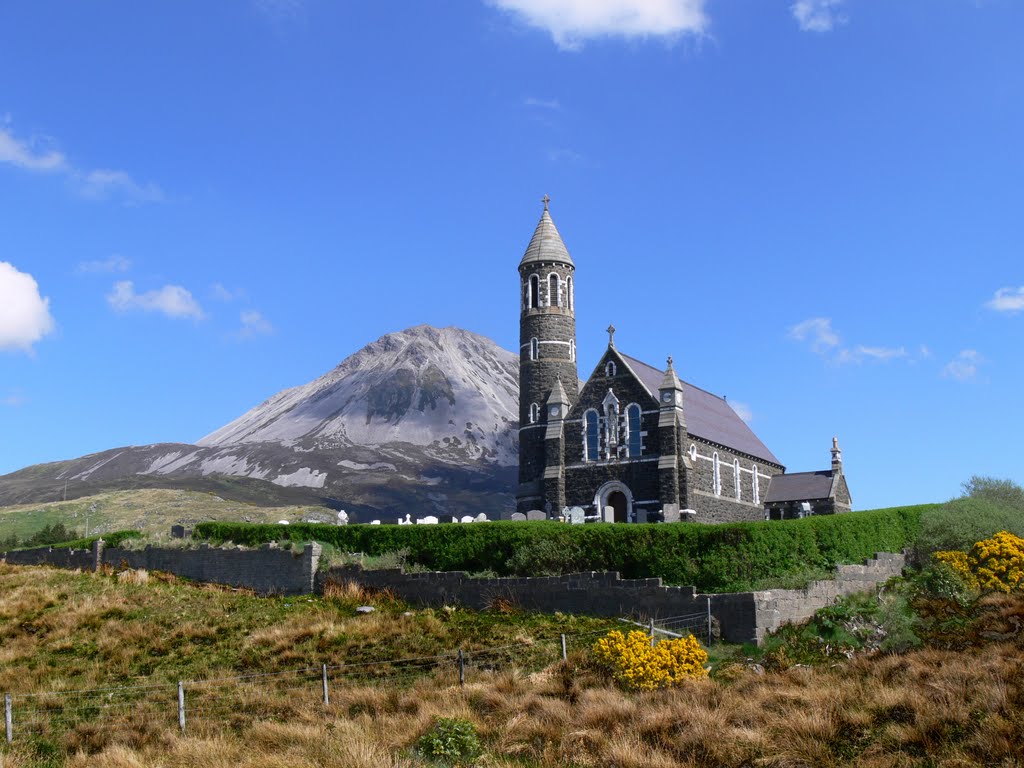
{"x": 547, "y": 348}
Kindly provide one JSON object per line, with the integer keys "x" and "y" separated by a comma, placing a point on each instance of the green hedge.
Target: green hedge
{"x": 112, "y": 539}
{"x": 718, "y": 558}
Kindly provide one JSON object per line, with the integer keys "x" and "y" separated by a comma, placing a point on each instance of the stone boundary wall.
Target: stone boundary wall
{"x": 742, "y": 616}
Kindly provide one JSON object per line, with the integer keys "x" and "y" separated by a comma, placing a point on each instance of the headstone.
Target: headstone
{"x": 342, "y": 517}
{"x": 670, "y": 513}
{"x": 468, "y": 519}
{"x": 608, "y": 515}
{"x": 518, "y": 517}
{"x": 428, "y": 520}
{"x": 406, "y": 521}
{"x": 375, "y": 522}
{"x": 805, "y": 509}
{"x": 536, "y": 514}
{"x": 576, "y": 516}
{"x": 642, "y": 516}
{"x": 365, "y": 609}
{"x": 282, "y": 522}
{"x": 482, "y": 518}
{"x": 177, "y": 531}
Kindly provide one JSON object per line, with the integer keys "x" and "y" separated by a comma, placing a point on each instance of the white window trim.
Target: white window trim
{"x": 529, "y": 291}
{"x": 558, "y": 290}
{"x": 534, "y": 349}
{"x": 736, "y": 479}
{"x": 716, "y": 474}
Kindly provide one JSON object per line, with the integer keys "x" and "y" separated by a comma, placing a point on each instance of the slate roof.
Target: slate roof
{"x": 707, "y": 415}
{"x": 546, "y": 244}
{"x": 800, "y": 486}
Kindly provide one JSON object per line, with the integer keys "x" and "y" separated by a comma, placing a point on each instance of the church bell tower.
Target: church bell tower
{"x": 547, "y": 358}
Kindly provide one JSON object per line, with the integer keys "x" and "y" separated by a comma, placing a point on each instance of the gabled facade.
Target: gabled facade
{"x": 632, "y": 437}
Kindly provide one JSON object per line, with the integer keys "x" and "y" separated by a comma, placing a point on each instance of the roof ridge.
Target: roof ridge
{"x": 694, "y": 386}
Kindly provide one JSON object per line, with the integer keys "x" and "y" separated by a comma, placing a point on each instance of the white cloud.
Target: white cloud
{"x": 12, "y": 401}
{"x": 92, "y": 184}
{"x": 1007, "y": 300}
{"x": 23, "y": 154}
{"x": 818, "y": 331}
{"x": 818, "y": 15}
{"x": 742, "y": 410}
{"x": 24, "y": 314}
{"x": 570, "y": 22}
{"x": 964, "y": 366}
{"x": 861, "y": 352}
{"x": 254, "y": 324}
{"x": 171, "y": 300}
{"x": 103, "y": 184}
{"x": 113, "y": 264}
{"x": 222, "y": 293}
{"x": 551, "y": 104}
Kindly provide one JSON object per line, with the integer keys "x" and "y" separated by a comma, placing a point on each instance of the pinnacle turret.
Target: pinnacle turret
{"x": 546, "y": 244}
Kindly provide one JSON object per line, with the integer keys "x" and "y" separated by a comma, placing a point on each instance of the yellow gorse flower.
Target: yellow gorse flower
{"x": 992, "y": 565}
{"x": 637, "y": 666}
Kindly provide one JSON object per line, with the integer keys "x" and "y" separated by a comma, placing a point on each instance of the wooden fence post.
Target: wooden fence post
{"x": 181, "y": 707}
{"x": 8, "y": 718}
{"x": 327, "y": 698}
{"x": 462, "y": 669}
{"x": 564, "y": 654}
{"x": 652, "y": 633}
{"x": 709, "y": 621}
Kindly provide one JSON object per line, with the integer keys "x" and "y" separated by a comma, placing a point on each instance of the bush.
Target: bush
{"x": 958, "y": 524}
{"x": 713, "y": 558}
{"x": 637, "y": 666}
{"x": 450, "y": 741}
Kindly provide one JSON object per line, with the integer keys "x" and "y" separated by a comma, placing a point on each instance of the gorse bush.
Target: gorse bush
{"x": 995, "y": 564}
{"x": 450, "y": 741}
{"x": 637, "y": 666}
{"x": 714, "y": 558}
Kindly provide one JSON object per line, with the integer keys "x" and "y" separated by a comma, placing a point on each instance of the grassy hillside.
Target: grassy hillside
{"x": 959, "y": 705}
{"x": 152, "y": 511}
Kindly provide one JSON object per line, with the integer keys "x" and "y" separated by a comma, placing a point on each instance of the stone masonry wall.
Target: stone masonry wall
{"x": 742, "y": 616}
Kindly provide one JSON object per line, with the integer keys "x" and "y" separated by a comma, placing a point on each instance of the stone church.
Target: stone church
{"x": 635, "y": 438}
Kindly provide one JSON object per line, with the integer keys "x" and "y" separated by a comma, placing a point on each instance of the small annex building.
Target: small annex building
{"x": 632, "y": 436}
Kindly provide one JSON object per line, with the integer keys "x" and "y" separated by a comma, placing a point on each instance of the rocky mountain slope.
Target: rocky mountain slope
{"x": 421, "y": 421}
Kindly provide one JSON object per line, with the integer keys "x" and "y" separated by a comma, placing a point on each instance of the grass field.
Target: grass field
{"x": 151, "y": 511}
{"x": 958, "y": 701}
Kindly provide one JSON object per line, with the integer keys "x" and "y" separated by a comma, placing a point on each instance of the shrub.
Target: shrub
{"x": 995, "y": 564}
{"x": 450, "y": 741}
{"x": 957, "y": 524}
{"x": 637, "y": 666}
{"x": 546, "y": 557}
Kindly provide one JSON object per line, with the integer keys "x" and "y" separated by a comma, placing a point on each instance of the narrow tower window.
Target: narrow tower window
{"x": 609, "y": 370}
{"x": 534, "y": 413}
{"x": 534, "y": 291}
{"x": 716, "y": 474}
{"x": 572, "y": 351}
{"x": 736, "y": 478}
{"x": 591, "y": 444}
{"x": 568, "y": 293}
{"x": 534, "y": 348}
{"x": 633, "y": 425}
{"x": 553, "y": 297}
{"x": 757, "y": 491}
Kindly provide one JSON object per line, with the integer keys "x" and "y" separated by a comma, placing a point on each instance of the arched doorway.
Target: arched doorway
{"x": 617, "y": 496}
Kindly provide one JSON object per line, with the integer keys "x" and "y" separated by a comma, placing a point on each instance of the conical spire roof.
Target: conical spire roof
{"x": 546, "y": 244}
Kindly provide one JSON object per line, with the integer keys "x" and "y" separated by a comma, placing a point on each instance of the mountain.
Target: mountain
{"x": 423, "y": 421}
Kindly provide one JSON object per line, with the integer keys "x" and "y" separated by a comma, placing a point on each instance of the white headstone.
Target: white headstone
{"x": 282, "y": 522}
{"x": 342, "y": 517}
{"x": 482, "y": 518}
{"x": 406, "y": 521}
{"x": 428, "y": 520}
{"x": 375, "y": 522}
{"x": 518, "y": 517}
{"x": 577, "y": 515}
{"x": 536, "y": 514}
{"x": 468, "y": 519}
{"x": 609, "y": 515}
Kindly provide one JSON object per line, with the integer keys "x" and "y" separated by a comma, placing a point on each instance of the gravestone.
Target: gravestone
{"x": 375, "y": 522}
{"x": 428, "y": 520}
{"x": 671, "y": 513}
{"x": 642, "y": 516}
{"x": 577, "y": 516}
{"x": 468, "y": 519}
{"x": 518, "y": 517}
{"x": 177, "y": 531}
{"x": 536, "y": 514}
{"x": 482, "y": 518}
{"x": 609, "y": 515}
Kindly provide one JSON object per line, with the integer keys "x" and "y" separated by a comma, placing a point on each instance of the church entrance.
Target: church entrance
{"x": 617, "y": 496}
{"x": 617, "y": 500}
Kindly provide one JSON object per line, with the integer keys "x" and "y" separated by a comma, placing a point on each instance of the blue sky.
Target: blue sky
{"x": 814, "y": 207}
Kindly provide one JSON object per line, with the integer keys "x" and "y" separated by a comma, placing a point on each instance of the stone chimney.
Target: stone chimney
{"x": 837, "y": 457}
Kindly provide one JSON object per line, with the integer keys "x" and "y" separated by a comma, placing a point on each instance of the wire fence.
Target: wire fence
{"x": 204, "y": 706}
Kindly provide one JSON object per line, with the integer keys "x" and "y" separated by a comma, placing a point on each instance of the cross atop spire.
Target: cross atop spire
{"x": 670, "y": 362}
{"x": 611, "y": 335}
{"x": 545, "y": 200}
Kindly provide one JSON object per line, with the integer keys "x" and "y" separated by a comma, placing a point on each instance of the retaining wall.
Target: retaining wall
{"x": 741, "y": 616}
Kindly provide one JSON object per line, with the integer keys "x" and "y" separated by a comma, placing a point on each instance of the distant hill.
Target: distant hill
{"x": 422, "y": 421}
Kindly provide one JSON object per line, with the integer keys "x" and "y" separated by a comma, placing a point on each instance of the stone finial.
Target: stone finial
{"x": 611, "y": 335}
{"x": 545, "y": 200}
{"x": 837, "y": 456}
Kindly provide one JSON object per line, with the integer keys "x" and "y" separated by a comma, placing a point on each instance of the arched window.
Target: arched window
{"x": 592, "y": 439}
{"x": 572, "y": 350}
{"x": 534, "y": 413}
{"x": 553, "y": 297}
{"x": 609, "y": 370}
{"x": 534, "y": 348}
{"x": 693, "y": 451}
{"x": 568, "y": 293}
{"x": 716, "y": 476}
{"x": 534, "y": 292}
{"x": 736, "y": 478}
{"x": 633, "y": 425}
{"x": 757, "y": 491}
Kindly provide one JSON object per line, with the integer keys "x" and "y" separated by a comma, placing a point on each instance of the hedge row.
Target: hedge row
{"x": 112, "y": 539}
{"x": 718, "y": 558}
